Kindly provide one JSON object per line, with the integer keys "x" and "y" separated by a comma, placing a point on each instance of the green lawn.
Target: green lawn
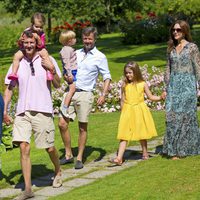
{"x": 117, "y": 53}
{"x": 110, "y": 44}
{"x": 155, "y": 179}
{"x": 101, "y": 141}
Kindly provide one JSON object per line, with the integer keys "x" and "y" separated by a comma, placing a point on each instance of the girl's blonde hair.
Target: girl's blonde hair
{"x": 65, "y": 36}
{"x": 134, "y": 67}
{"x": 38, "y": 16}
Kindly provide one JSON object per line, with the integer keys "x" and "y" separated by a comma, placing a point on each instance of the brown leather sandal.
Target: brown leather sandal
{"x": 116, "y": 161}
{"x": 145, "y": 157}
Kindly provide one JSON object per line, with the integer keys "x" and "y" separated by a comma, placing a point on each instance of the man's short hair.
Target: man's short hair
{"x": 88, "y": 30}
{"x": 28, "y": 33}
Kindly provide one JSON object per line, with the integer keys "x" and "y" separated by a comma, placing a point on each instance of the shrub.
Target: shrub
{"x": 141, "y": 30}
{"x": 8, "y": 37}
{"x": 76, "y": 27}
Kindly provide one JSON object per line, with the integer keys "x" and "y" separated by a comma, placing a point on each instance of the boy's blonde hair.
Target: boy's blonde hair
{"x": 65, "y": 36}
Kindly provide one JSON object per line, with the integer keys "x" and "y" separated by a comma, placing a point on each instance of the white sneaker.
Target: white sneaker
{"x": 64, "y": 111}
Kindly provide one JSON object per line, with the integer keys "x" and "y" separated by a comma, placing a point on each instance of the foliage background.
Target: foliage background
{"x": 172, "y": 180}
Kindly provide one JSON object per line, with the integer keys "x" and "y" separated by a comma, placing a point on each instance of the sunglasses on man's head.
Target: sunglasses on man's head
{"x": 32, "y": 69}
{"x": 178, "y": 30}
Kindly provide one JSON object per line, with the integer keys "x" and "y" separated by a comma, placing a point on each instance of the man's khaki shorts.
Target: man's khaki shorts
{"x": 81, "y": 105}
{"x": 41, "y": 124}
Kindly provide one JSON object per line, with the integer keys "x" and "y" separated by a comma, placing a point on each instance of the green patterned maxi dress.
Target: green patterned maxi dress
{"x": 182, "y": 136}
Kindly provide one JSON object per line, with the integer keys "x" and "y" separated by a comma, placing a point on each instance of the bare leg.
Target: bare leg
{"x": 144, "y": 149}
{"x": 45, "y": 55}
{"x": 15, "y": 65}
{"x": 65, "y": 134}
{"x": 119, "y": 159}
{"x": 72, "y": 88}
{"x": 26, "y": 164}
{"x": 121, "y": 150}
{"x": 17, "y": 58}
{"x": 53, "y": 154}
{"x": 82, "y": 139}
{"x": 46, "y": 59}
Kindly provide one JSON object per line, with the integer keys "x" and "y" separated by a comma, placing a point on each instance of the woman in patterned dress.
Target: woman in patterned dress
{"x": 182, "y": 136}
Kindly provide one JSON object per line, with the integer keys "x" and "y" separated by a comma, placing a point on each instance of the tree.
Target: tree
{"x": 190, "y": 8}
{"x": 101, "y": 11}
{"x": 27, "y": 7}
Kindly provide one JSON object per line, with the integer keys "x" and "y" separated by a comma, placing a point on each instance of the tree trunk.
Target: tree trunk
{"x": 49, "y": 27}
{"x": 108, "y": 16}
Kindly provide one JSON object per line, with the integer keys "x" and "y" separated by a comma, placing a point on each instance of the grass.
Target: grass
{"x": 101, "y": 141}
{"x": 110, "y": 44}
{"x": 117, "y": 53}
{"x": 155, "y": 179}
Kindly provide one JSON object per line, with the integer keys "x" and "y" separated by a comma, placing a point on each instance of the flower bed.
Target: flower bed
{"x": 155, "y": 81}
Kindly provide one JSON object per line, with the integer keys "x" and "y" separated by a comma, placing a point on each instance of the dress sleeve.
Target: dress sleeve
{"x": 196, "y": 61}
{"x": 167, "y": 72}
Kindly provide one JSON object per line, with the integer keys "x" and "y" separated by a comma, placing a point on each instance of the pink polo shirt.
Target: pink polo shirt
{"x": 34, "y": 90}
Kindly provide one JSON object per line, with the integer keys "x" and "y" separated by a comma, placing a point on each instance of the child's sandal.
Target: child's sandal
{"x": 116, "y": 161}
{"x": 145, "y": 157}
{"x": 13, "y": 77}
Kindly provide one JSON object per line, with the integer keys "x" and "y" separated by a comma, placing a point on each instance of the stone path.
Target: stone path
{"x": 76, "y": 178}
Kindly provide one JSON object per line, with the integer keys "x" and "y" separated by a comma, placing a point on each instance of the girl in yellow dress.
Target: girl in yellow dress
{"x": 136, "y": 122}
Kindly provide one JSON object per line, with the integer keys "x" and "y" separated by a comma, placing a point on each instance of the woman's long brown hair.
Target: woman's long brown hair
{"x": 185, "y": 28}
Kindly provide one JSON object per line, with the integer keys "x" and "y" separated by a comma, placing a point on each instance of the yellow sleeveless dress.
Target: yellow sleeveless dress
{"x": 136, "y": 122}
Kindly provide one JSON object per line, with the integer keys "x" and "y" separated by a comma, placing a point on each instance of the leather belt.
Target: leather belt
{"x": 77, "y": 90}
{"x": 80, "y": 90}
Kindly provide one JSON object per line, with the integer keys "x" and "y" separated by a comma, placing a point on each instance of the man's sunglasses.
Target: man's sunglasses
{"x": 178, "y": 30}
{"x": 32, "y": 69}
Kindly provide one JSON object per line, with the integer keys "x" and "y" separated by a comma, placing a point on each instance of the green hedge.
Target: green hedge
{"x": 147, "y": 30}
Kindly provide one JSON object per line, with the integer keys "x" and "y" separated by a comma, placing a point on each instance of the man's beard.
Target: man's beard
{"x": 88, "y": 48}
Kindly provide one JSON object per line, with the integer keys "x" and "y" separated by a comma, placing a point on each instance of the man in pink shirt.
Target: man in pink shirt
{"x": 34, "y": 110}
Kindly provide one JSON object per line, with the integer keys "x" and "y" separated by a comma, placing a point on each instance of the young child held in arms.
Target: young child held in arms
{"x": 136, "y": 122}
{"x": 68, "y": 58}
{"x": 37, "y": 23}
